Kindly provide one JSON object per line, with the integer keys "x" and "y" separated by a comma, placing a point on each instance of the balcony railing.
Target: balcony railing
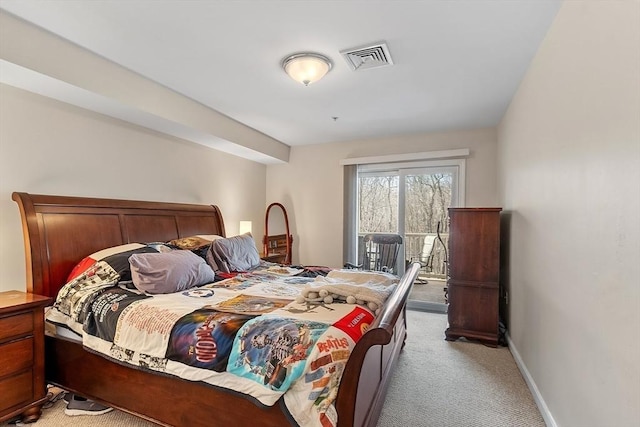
{"x": 413, "y": 251}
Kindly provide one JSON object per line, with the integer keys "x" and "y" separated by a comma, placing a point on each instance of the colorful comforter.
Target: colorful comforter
{"x": 245, "y": 333}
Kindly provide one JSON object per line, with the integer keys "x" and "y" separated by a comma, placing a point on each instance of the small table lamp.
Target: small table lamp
{"x": 245, "y": 227}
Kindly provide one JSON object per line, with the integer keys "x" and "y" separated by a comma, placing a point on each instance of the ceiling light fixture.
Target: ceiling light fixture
{"x": 306, "y": 67}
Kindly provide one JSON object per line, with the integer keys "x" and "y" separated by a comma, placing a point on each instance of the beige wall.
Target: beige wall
{"x": 49, "y": 147}
{"x": 96, "y": 83}
{"x": 569, "y": 150}
{"x": 311, "y": 184}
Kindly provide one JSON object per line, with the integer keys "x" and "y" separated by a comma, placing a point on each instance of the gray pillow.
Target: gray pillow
{"x": 238, "y": 253}
{"x": 168, "y": 272}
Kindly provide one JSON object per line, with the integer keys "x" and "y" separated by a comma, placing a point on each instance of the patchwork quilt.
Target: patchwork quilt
{"x": 246, "y": 333}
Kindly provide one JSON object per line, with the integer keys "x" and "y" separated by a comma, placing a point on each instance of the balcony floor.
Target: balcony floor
{"x": 429, "y": 292}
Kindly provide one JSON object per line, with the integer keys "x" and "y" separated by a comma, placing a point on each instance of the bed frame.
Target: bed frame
{"x": 59, "y": 231}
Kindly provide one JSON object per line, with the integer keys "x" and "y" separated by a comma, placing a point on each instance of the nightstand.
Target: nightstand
{"x": 22, "y": 384}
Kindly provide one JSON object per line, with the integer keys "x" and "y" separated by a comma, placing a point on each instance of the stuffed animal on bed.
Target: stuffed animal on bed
{"x": 369, "y": 289}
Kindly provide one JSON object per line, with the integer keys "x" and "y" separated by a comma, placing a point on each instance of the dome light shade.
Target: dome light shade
{"x": 307, "y": 67}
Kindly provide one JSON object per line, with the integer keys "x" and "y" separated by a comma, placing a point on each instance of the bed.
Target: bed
{"x": 56, "y": 230}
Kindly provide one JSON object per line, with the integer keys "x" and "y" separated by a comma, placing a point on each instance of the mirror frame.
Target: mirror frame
{"x": 288, "y": 236}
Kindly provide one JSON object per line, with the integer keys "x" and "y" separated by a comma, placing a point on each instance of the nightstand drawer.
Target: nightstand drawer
{"x": 17, "y": 356}
{"x": 15, "y": 326}
{"x": 22, "y": 384}
{"x": 16, "y": 390}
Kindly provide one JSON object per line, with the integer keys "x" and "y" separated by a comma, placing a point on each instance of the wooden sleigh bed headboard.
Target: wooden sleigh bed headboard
{"x": 60, "y": 231}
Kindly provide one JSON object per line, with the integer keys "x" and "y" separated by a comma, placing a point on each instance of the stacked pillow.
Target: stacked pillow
{"x": 237, "y": 253}
{"x": 227, "y": 255}
{"x": 177, "y": 265}
{"x": 168, "y": 272}
{"x": 199, "y": 244}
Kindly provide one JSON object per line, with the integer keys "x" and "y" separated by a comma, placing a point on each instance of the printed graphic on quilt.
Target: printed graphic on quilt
{"x": 272, "y": 351}
{"x": 204, "y": 338}
{"x": 106, "y": 308}
{"x": 316, "y": 391}
{"x": 250, "y": 304}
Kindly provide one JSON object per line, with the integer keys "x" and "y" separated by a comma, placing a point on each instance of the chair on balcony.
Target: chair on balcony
{"x": 378, "y": 252}
{"x": 425, "y": 258}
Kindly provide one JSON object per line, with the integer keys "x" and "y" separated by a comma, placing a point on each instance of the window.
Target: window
{"x": 408, "y": 198}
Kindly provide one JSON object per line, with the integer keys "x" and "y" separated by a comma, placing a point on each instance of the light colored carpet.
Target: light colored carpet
{"x": 55, "y": 417}
{"x": 436, "y": 383}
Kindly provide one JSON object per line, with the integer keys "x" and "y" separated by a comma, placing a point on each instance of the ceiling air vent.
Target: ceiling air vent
{"x": 371, "y": 56}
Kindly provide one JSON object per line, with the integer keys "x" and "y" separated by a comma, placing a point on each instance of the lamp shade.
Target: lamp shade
{"x": 306, "y": 68}
{"x": 245, "y": 227}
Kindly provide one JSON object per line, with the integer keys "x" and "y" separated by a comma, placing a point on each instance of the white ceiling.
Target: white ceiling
{"x": 456, "y": 65}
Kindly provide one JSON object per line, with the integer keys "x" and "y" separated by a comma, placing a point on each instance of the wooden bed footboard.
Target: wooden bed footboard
{"x": 371, "y": 362}
{"x": 59, "y": 231}
{"x": 163, "y": 399}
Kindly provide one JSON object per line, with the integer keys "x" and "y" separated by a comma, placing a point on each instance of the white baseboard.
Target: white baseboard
{"x": 537, "y": 397}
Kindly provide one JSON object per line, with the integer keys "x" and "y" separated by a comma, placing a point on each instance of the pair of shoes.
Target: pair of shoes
{"x": 80, "y": 406}
{"x": 53, "y": 396}
{"x": 16, "y": 421}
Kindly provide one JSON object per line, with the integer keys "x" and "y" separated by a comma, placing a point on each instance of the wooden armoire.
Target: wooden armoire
{"x": 473, "y": 274}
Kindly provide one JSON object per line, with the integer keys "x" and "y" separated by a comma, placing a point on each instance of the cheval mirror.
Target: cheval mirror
{"x": 277, "y": 239}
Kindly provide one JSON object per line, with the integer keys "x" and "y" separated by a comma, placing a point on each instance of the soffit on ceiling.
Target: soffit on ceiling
{"x": 456, "y": 65}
